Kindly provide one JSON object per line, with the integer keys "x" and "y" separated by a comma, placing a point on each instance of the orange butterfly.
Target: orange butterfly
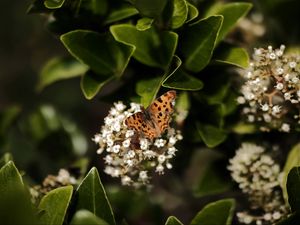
{"x": 154, "y": 120}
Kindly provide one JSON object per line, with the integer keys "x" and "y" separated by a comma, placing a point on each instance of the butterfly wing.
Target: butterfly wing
{"x": 141, "y": 124}
{"x": 161, "y": 111}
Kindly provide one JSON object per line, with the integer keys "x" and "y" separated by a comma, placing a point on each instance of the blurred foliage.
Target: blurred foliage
{"x": 130, "y": 50}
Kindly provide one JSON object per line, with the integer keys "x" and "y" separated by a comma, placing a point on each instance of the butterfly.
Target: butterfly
{"x": 154, "y": 120}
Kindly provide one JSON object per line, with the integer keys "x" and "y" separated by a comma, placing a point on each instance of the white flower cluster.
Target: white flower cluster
{"x": 259, "y": 177}
{"x": 271, "y": 92}
{"x": 127, "y": 155}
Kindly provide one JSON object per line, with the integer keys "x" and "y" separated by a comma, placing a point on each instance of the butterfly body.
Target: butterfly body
{"x": 154, "y": 120}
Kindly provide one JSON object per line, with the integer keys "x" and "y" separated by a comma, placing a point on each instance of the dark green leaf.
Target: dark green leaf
{"x": 216, "y": 213}
{"x": 144, "y": 23}
{"x": 192, "y": 12}
{"x": 120, "y": 14}
{"x": 292, "y": 219}
{"x": 293, "y": 187}
{"x": 172, "y": 220}
{"x": 37, "y": 6}
{"x": 9, "y": 178}
{"x": 234, "y": 56}
{"x": 54, "y": 205}
{"x": 5, "y": 159}
{"x": 293, "y": 160}
{"x": 198, "y": 42}
{"x": 244, "y": 128}
{"x": 151, "y": 48}
{"x": 98, "y": 7}
{"x": 60, "y": 69}
{"x": 148, "y": 90}
{"x": 85, "y": 217}
{"x": 231, "y": 12}
{"x": 152, "y": 8}
{"x": 211, "y": 135}
{"x": 180, "y": 13}
{"x": 54, "y": 4}
{"x": 91, "y": 84}
{"x": 91, "y": 196}
{"x": 101, "y": 53}
{"x": 204, "y": 176}
{"x": 7, "y": 117}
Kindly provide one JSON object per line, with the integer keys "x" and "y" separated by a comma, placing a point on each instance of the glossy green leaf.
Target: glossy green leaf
{"x": 15, "y": 205}
{"x": 151, "y": 48}
{"x": 211, "y": 135}
{"x": 180, "y": 80}
{"x": 293, "y": 160}
{"x": 91, "y": 196}
{"x": 153, "y": 8}
{"x": 293, "y": 187}
{"x": 148, "y": 90}
{"x": 92, "y": 83}
{"x": 85, "y": 217}
{"x": 54, "y": 205}
{"x": 54, "y": 4}
{"x": 144, "y": 23}
{"x": 192, "y": 12}
{"x": 216, "y": 213}
{"x": 60, "y": 69}
{"x": 231, "y": 12}
{"x": 244, "y": 128}
{"x": 98, "y": 7}
{"x": 180, "y": 13}
{"x": 234, "y": 56}
{"x": 120, "y": 14}
{"x": 5, "y": 159}
{"x": 198, "y": 42}
{"x": 172, "y": 220}
{"x": 101, "y": 53}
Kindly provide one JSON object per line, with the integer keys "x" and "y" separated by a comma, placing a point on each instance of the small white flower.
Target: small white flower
{"x": 276, "y": 109}
{"x": 143, "y": 175}
{"x": 159, "y": 142}
{"x": 279, "y": 86}
{"x": 129, "y": 133}
{"x": 272, "y": 56}
{"x": 279, "y": 71}
{"x": 169, "y": 166}
{"x": 159, "y": 169}
{"x": 126, "y": 143}
{"x": 97, "y": 138}
{"x": 161, "y": 158}
{"x": 171, "y": 151}
{"x": 285, "y": 127}
{"x": 144, "y": 143}
{"x": 131, "y": 154}
{"x": 292, "y": 64}
{"x": 116, "y": 148}
{"x": 241, "y": 100}
{"x": 126, "y": 180}
{"x": 265, "y": 107}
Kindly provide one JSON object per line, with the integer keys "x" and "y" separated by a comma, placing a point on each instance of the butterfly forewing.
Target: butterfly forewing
{"x": 161, "y": 110}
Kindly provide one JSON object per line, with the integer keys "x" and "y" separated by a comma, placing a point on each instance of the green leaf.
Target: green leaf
{"x": 180, "y": 13}
{"x": 101, "y": 53}
{"x": 182, "y": 81}
{"x": 192, "y": 12}
{"x": 53, "y": 4}
{"x": 179, "y": 79}
{"x": 293, "y": 187}
{"x": 233, "y": 55}
{"x": 98, "y": 7}
{"x": 151, "y": 48}
{"x": 216, "y": 213}
{"x": 91, "y": 84}
{"x": 15, "y": 205}
{"x": 172, "y": 220}
{"x": 198, "y": 42}
{"x": 231, "y": 12}
{"x": 5, "y": 159}
{"x": 85, "y": 217}
{"x": 153, "y": 8}
{"x": 60, "y": 69}
{"x": 244, "y": 128}
{"x": 7, "y": 117}
{"x": 54, "y": 205}
{"x": 120, "y": 14}
{"x": 293, "y": 160}
{"x": 148, "y": 90}
{"x": 207, "y": 178}
{"x": 211, "y": 135}
{"x": 91, "y": 196}
{"x": 144, "y": 23}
